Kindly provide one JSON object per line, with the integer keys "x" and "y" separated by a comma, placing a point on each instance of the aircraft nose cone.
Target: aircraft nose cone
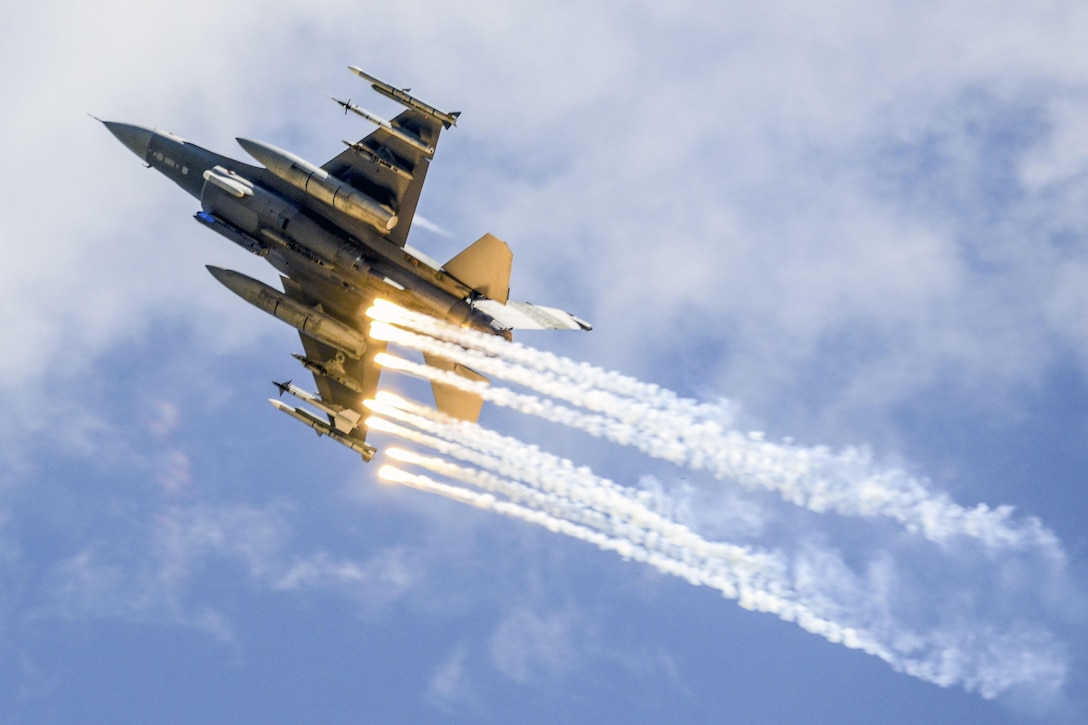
{"x": 135, "y": 138}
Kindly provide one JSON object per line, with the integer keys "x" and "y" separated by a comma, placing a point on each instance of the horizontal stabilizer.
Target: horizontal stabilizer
{"x": 451, "y": 401}
{"x": 485, "y": 267}
{"x": 527, "y": 316}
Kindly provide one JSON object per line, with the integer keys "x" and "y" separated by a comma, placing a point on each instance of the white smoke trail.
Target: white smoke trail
{"x": 582, "y": 375}
{"x": 755, "y": 598}
{"x": 759, "y": 582}
{"x": 727, "y": 568}
{"x": 672, "y": 429}
{"x": 509, "y": 456}
{"x": 576, "y": 491}
{"x": 822, "y": 591}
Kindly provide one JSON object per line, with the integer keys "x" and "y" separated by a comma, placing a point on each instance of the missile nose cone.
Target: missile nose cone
{"x": 136, "y": 138}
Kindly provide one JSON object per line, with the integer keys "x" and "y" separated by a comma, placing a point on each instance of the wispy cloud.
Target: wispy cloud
{"x": 850, "y": 219}
{"x": 526, "y": 646}
{"x": 162, "y": 577}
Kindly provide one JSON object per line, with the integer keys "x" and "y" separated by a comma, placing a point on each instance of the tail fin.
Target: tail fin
{"x": 451, "y": 401}
{"x": 485, "y": 267}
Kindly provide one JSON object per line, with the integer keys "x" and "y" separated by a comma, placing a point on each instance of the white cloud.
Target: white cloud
{"x": 90, "y": 585}
{"x": 379, "y": 581}
{"x": 451, "y": 685}
{"x": 526, "y": 646}
{"x": 161, "y": 572}
{"x": 729, "y": 155}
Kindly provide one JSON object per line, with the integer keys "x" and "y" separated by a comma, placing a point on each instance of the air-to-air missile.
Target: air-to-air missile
{"x": 344, "y": 419}
{"x": 390, "y": 128}
{"x": 402, "y": 97}
{"x": 297, "y": 314}
{"x": 319, "y": 184}
{"x": 330, "y": 370}
{"x": 324, "y": 429}
{"x": 373, "y": 157}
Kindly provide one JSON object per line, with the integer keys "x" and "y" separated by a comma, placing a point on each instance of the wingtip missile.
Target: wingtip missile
{"x": 402, "y": 97}
{"x": 363, "y": 74}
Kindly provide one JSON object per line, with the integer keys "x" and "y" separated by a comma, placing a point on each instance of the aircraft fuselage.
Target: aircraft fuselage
{"x": 306, "y": 231}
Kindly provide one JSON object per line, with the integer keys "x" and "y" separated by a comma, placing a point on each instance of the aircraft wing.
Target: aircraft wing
{"x": 349, "y": 381}
{"x": 389, "y": 167}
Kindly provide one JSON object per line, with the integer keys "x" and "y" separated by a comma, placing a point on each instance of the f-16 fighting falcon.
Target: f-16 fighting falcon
{"x": 338, "y": 236}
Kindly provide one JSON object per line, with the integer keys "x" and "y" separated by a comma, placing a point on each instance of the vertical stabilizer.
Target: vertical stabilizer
{"x": 451, "y": 401}
{"x": 485, "y": 267}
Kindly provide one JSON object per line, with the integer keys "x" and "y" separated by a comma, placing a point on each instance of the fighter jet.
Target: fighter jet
{"x": 337, "y": 234}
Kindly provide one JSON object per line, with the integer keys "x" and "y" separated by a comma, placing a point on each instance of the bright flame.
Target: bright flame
{"x": 402, "y": 455}
{"x": 388, "y": 404}
{"x": 393, "y": 474}
{"x": 393, "y": 362}
{"x": 383, "y": 331}
{"x": 378, "y": 407}
{"x": 392, "y": 399}
{"x": 374, "y": 422}
{"x": 385, "y": 310}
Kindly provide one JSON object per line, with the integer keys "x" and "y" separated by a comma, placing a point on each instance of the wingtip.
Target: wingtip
{"x": 580, "y": 322}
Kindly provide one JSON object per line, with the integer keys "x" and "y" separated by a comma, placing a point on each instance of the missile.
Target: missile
{"x": 319, "y": 184}
{"x": 401, "y": 96}
{"x": 410, "y": 139}
{"x": 327, "y": 370}
{"x": 369, "y": 154}
{"x": 324, "y": 429}
{"x": 344, "y": 419}
{"x": 302, "y": 317}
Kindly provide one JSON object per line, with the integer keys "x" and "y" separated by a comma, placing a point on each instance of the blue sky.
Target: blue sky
{"x": 859, "y": 226}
